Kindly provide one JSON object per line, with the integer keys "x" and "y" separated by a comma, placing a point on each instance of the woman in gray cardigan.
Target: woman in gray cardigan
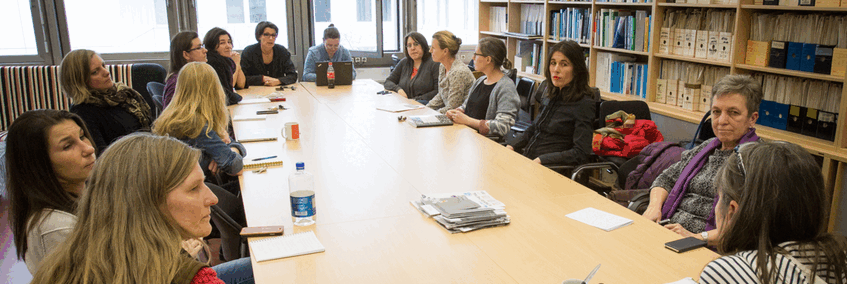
{"x": 492, "y": 103}
{"x": 416, "y": 76}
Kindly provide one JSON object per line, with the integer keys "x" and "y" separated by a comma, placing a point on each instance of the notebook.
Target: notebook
{"x": 599, "y": 219}
{"x": 286, "y": 246}
{"x": 430, "y": 120}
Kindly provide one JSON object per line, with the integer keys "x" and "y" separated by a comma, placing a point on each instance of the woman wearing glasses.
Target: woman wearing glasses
{"x": 267, "y": 63}
{"x": 186, "y": 47}
{"x": 416, "y": 75}
{"x": 329, "y": 50}
{"x": 771, "y": 212}
{"x": 684, "y": 192}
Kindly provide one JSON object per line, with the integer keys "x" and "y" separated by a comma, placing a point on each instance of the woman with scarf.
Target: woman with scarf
{"x": 225, "y": 61}
{"x": 685, "y": 192}
{"x": 109, "y": 109}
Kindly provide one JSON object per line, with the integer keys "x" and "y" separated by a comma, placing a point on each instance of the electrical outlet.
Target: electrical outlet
{"x": 364, "y": 59}
{"x": 462, "y": 56}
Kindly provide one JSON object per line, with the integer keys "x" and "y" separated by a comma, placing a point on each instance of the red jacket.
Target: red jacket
{"x": 636, "y": 138}
{"x": 206, "y": 275}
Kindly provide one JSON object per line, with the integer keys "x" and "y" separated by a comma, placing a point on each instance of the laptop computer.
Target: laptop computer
{"x": 343, "y": 72}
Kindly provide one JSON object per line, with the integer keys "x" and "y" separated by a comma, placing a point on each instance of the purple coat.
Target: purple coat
{"x": 654, "y": 159}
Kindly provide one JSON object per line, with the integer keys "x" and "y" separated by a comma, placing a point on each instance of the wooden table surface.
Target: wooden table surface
{"x": 367, "y": 168}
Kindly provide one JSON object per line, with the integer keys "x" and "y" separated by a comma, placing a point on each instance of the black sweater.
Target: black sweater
{"x": 423, "y": 87}
{"x": 280, "y": 68}
{"x": 561, "y": 134}
{"x": 224, "y": 67}
{"x": 106, "y": 124}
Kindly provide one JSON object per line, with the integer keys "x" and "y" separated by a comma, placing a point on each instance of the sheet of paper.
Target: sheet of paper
{"x": 481, "y": 197}
{"x": 399, "y": 107}
{"x": 286, "y": 246}
{"x": 247, "y": 117}
{"x": 599, "y": 219}
{"x": 254, "y": 101}
{"x": 686, "y": 280}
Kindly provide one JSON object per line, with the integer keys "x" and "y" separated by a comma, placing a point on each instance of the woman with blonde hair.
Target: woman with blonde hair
{"x": 109, "y": 109}
{"x": 197, "y": 115}
{"x": 454, "y": 77}
{"x": 144, "y": 197}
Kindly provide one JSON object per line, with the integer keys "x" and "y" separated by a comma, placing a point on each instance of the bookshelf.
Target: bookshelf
{"x": 833, "y": 153}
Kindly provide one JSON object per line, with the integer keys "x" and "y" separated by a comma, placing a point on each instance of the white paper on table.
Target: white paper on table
{"x": 254, "y": 101}
{"x": 286, "y": 246}
{"x": 399, "y": 107}
{"x": 686, "y": 280}
{"x": 429, "y": 119}
{"x": 599, "y": 219}
{"x": 247, "y": 117}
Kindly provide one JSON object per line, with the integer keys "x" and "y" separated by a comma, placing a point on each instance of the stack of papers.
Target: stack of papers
{"x": 463, "y": 212}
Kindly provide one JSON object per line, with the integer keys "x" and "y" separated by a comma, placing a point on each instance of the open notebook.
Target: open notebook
{"x": 286, "y": 246}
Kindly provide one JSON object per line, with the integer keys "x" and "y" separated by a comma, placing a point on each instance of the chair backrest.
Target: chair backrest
{"x": 156, "y": 90}
{"x": 704, "y": 132}
{"x": 639, "y": 108}
{"x": 525, "y": 87}
{"x": 513, "y": 74}
{"x": 230, "y": 233}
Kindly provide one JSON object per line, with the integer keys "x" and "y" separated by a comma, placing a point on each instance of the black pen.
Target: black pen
{"x": 265, "y": 158}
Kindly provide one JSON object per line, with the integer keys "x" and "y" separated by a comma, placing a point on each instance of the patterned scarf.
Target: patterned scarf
{"x": 125, "y": 97}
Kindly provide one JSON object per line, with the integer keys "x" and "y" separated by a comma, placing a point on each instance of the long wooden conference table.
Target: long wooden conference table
{"x": 368, "y": 166}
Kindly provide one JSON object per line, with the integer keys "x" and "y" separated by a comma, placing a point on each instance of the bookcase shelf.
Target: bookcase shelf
{"x": 568, "y": 3}
{"x": 686, "y": 5}
{"x": 795, "y": 8}
{"x": 495, "y": 1}
{"x": 623, "y": 4}
{"x": 553, "y": 41}
{"x": 621, "y": 50}
{"x": 535, "y": 77}
{"x": 493, "y": 34}
{"x": 788, "y": 72}
{"x": 527, "y": 2}
{"x": 693, "y": 60}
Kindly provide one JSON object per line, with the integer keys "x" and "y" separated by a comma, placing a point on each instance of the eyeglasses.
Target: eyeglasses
{"x": 269, "y": 35}
{"x": 197, "y": 48}
{"x": 738, "y": 148}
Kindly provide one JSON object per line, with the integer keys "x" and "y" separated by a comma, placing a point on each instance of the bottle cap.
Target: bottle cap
{"x": 300, "y": 166}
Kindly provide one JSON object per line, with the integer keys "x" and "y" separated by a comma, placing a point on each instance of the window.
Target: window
{"x": 122, "y": 26}
{"x": 16, "y": 20}
{"x": 358, "y": 30}
{"x": 457, "y": 16}
{"x": 240, "y": 17}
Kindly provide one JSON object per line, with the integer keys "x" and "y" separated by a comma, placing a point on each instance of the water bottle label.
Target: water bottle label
{"x": 302, "y": 207}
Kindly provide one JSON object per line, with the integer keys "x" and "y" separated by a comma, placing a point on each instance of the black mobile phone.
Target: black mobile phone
{"x": 686, "y": 244}
{"x": 280, "y": 88}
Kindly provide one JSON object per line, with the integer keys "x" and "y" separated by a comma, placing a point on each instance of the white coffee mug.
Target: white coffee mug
{"x": 291, "y": 131}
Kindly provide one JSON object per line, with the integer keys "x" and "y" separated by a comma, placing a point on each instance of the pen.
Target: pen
{"x": 265, "y": 158}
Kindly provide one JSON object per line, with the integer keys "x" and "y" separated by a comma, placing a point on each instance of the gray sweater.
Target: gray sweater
{"x": 453, "y": 87}
{"x": 502, "y": 105}
{"x": 51, "y": 231}
{"x": 423, "y": 86}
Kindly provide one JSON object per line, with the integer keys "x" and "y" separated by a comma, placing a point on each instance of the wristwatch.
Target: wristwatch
{"x": 705, "y": 235}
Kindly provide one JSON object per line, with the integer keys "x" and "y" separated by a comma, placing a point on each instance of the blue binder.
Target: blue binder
{"x": 792, "y": 60}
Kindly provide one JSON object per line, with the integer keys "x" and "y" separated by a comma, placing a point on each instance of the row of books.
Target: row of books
{"x": 498, "y": 19}
{"x": 623, "y": 29}
{"x": 811, "y": 43}
{"x": 687, "y": 85}
{"x": 720, "y": 2}
{"x": 528, "y": 56}
{"x": 698, "y": 33}
{"x": 815, "y": 3}
{"x": 617, "y": 73}
{"x": 572, "y": 24}
{"x": 805, "y": 106}
{"x": 532, "y": 19}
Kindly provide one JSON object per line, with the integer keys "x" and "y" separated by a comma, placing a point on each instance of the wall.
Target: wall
{"x": 674, "y": 130}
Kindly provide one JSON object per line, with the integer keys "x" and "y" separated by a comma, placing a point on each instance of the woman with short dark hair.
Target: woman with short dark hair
{"x": 225, "y": 61}
{"x": 561, "y": 134}
{"x": 416, "y": 75}
{"x": 48, "y": 158}
{"x": 771, "y": 215}
{"x": 266, "y": 63}
{"x": 330, "y": 50}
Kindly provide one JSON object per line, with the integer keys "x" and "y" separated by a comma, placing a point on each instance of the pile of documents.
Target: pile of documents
{"x": 463, "y": 212}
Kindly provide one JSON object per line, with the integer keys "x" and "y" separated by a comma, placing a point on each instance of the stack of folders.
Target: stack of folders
{"x": 464, "y": 212}
{"x": 699, "y": 33}
{"x": 809, "y": 43}
{"x": 528, "y": 56}
{"x": 623, "y": 29}
{"x": 687, "y": 85}
{"x": 617, "y": 73}
{"x": 805, "y": 106}
{"x": 498, "y": 19}
{"x": 571, "y": 24}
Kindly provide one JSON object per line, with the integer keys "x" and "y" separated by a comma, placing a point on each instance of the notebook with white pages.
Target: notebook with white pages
{"x": 286, "y": 246}
{"x": 599, "y": 219}
{"x": 254, "y": 101}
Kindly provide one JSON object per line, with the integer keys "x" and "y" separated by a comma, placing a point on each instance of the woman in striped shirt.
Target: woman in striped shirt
{"x": 772, "y": 216}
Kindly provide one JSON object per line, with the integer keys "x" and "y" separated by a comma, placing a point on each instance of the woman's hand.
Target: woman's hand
{"x": 270, "y": 81}
{"x": 677, "y": 228}
{"x": 510, "y": 147}
{"x": 652, "y": 213}
{"x": 235, "y": 56}
{"x": 537, "y": 160}
{"x": 213, "y": 167}
{"x": 192, "y": 246}
{"x": 402, "y": 93}
{"x": 457, "y": 115}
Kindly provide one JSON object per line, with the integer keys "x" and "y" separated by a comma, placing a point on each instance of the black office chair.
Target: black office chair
{"x": 513, "y": 74}
{"x": 704, "y": 132}
{"x": 233, "y": 245}
{"x": 157, "y": 91}
{"x": 144, "y": 73}
{"x": 525, "y": 87}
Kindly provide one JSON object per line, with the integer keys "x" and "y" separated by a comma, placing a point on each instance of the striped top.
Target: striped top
{"x": 742, "y": 267}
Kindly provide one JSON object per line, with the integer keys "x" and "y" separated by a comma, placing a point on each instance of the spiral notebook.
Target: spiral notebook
{"x": 286, "y": 246}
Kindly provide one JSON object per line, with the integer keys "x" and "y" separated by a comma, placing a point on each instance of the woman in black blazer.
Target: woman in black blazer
{"x": 267, "y": 63}
{"x": 416, "y": 76}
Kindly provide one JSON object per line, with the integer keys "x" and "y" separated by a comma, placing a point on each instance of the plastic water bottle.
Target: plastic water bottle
{"x": 330, "y": 76}
{"x": 302, "y": 188}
